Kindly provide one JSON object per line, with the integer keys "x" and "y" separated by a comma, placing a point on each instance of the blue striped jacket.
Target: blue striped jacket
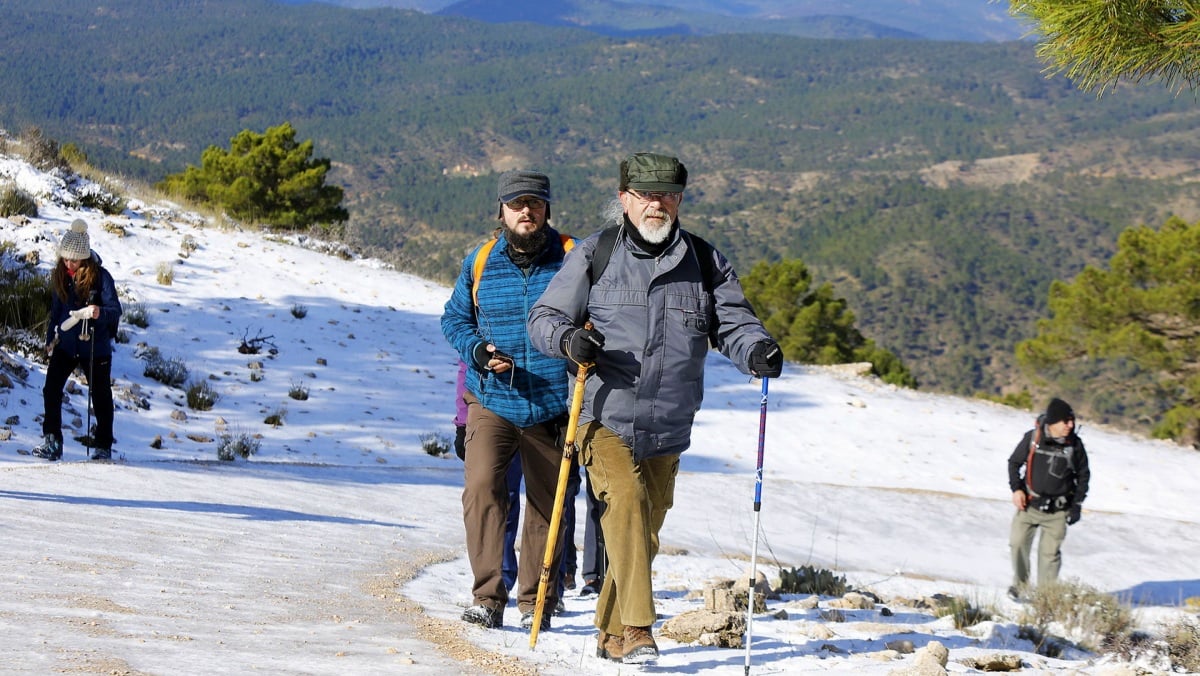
{"x": 536, "y": 390}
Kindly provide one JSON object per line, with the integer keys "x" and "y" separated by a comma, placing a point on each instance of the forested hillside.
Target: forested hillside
{"x": 939, "y": 186}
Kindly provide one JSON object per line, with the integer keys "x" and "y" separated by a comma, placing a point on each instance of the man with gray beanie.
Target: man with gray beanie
{"x": 656, "y": 304}
{"x": 516, "y": 397}
{"x": 1048, "y": 475}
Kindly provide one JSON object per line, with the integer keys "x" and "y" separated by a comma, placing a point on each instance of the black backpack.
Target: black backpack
{"x": 608, "y": 239}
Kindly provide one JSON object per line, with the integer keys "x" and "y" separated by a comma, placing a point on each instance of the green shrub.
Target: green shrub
{"x": 105, "y": 199}
{"x": 276, "y": 417}
{"x": 1183, "y": 644}
{"x": 24, "y": 292}
{"x": 299, "y": 311}
{"x": 965, "y": 612}
{"x": 188, "y": 246}
{"x": 164, "y": 272}
{"x": 200, "y": 395}
{"x": 435, "y": 444}
{"x": 1090, "y": 618}
{"x": 43, "y": 152}
{"x": 236, "y": 444}
{"x": 74, "y": 155}
{"x": 17, "y": 202}
{"x": 811, "y": 580}
{"x": 134, "y": 313}
{"x": 299, "y": 392}
{"x": 170, "y": 372}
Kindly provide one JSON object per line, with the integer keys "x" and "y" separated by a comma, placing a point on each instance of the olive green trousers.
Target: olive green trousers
{"x": 637, "y": 497}
{"x": 1025, "y": 525}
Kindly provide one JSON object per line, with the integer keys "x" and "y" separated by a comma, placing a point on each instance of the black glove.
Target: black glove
{"x": 1074, "y": 514}
{"x": 482, "y": 355}
{"x": 460, "y": 441}
{"x": 582, "y": 345}
{"x": 766, "y": 359}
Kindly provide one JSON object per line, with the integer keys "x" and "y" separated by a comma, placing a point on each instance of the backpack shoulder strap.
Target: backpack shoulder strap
{"x": 481, "y": 256}
{"x": 699, "y": 246}
{"x": 1035, "y": 440}
{"x": 602, "y": 252}
{"x": 704, "y": 256}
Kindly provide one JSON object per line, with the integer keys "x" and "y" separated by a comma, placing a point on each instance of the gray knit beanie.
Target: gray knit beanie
{"x": 75, "y": 244}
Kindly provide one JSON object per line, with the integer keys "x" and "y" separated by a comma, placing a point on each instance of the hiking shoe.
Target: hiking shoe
{"x": 590, "y": 588}
{"x": 527, "y": 620}
{"x": 1013, "y": 594}
{"x": 51, "y": 449}
{"x": 610, "y": 646}
{"x": 639, "y": 646}
{"x": 488, "y": 618}
{"x": 560, "y": 607}
{"x": 101, "y": 454}
{"x": 569, "y": 581}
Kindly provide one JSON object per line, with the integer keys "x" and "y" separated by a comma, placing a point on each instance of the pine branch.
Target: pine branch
{"x": 1097, "y": 43}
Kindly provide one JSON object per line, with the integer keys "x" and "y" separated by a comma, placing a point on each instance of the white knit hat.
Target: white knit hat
{"x": 76, "y": 245}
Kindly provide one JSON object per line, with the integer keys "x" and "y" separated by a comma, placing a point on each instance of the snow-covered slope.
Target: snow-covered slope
{"x": 314, "y": 555}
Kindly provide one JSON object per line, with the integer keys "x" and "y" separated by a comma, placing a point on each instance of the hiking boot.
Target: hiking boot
{"x": 51, "y": 449}
{"x": 639, "y": 646}
{"x": 1014, "y": 594}
{"x": 590, "y": 588}
{"x": 527, "y": 620}
{"x": 488, "y": 618}
{"x": 610, "y": 646}
{"x": 560, "y": 607}
{"x": 569, "y": 581}
{"x": 101, "y": 454}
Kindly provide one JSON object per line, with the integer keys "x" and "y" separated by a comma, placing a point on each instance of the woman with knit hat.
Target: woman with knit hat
{"x": 84, "y": 312}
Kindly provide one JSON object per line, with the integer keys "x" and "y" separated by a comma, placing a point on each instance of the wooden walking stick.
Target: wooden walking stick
{"x": 560, "y": 497}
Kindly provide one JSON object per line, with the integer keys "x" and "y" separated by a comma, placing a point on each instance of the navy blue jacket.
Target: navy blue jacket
{"x": 104, "y": 327}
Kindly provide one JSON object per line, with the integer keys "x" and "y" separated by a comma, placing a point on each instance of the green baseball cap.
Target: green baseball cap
{"x": 651, "y": 172}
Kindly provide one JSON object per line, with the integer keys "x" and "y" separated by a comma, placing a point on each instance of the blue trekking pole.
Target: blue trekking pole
{"x": 758, "y": 475}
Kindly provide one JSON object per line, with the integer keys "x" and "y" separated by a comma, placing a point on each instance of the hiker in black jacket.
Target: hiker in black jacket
{"x": 1048, "y": 475}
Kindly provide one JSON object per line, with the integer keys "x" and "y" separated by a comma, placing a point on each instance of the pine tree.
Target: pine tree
{"x": 1145, "y": 311}
{"x": 264, "y": 178}
{"x": 813, "y": 326}
{"x": 1098, "y": 42}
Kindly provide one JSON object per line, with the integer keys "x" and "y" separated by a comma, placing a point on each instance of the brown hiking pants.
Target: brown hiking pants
{"x": 637, "y": 496}
{"x": 491, "y": 444}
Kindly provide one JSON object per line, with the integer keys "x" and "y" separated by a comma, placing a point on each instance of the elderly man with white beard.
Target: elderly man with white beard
{"x": 655, "y": 297}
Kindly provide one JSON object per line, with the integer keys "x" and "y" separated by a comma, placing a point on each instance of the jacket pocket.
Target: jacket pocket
{"x": 691, "y": 313}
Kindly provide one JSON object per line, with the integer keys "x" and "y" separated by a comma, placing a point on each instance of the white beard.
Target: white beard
{"x": 654, "y": 231}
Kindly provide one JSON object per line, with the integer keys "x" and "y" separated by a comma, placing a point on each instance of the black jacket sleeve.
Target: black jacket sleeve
{"x": 1083, "y": 473}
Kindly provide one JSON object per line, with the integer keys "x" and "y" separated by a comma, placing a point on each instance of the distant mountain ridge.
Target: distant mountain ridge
{"x": 622, "y": 19}
{"x": 963, "y": 20}
{"x": 938, "y": 186}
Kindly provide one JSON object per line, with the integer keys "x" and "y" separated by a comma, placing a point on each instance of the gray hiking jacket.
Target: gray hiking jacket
{"x": 657, "y": 320}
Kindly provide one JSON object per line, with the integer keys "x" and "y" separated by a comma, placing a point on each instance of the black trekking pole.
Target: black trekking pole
{"x": 91, "y": 439}
{"x": 88, "y": 329}
{"x": 758, "y": 476}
